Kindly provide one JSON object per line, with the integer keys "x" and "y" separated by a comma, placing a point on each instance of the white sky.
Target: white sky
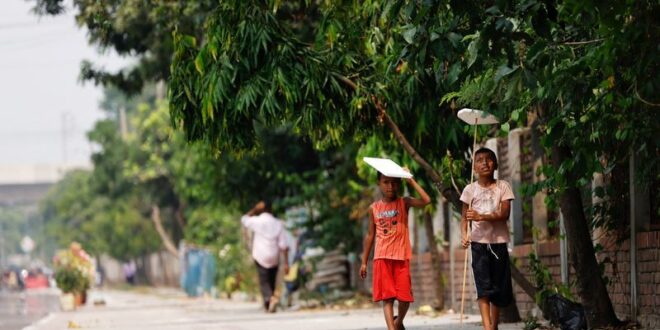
{"x": 40, "y": 94}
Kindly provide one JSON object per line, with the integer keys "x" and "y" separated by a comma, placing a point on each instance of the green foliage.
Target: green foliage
{"x": 224, "y": 81}
{"x": 75, "y": 212}
{"x": 570, "y": 67}
{"x": 545, "y": 284}
{"x": 531, "y": 323}
{"x": 14, "y": 223}
{"x": 71, "y": 280}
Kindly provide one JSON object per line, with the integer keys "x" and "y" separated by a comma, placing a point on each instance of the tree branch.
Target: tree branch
{"x": 580, "y": 43}
{"x": 167, "y": 241}
{"x": 447, "y": 192}
{"x": 345, "y": 80}
{"x": 639, "y": 97}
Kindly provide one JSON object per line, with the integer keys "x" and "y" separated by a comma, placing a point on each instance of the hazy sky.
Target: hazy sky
{"x": 44, "y": 110}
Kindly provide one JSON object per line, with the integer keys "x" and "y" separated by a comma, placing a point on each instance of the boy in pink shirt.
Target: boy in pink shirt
{"x": 487, "y": 204}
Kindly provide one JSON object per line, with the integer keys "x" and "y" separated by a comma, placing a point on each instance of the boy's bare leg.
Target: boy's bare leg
{"x": 388, "y": 310}
{"x": 484, "y": 308}
{"x": 403, "y": 309}
{"x": 494, "y": 316}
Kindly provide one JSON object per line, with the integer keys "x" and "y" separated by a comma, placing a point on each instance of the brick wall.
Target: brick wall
{"x": 618, "y": 273}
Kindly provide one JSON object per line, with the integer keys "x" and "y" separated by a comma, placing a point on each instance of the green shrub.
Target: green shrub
{"x": 71, "y": 280}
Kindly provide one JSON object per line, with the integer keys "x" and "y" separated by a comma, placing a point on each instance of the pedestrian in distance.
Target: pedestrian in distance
{"x": 487, "y": 203}
{"x": 269, "y": 242}
{"x": 388, "y": 226}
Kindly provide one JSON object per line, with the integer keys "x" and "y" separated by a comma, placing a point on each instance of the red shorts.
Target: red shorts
{"x": 391, "y": 279}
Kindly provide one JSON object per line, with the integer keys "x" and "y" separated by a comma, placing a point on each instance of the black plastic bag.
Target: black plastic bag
{"x": 565, "y": 313}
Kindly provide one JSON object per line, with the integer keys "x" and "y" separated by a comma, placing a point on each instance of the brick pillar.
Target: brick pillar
{"x": 539, "y": 209}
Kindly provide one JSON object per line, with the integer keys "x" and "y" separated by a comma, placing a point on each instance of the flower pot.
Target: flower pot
{"x": 67, "y": 302}
{"x": 80, "y": 298}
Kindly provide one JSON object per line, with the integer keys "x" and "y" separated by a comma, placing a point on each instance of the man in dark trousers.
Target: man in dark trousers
{"x": 269, "y": 241}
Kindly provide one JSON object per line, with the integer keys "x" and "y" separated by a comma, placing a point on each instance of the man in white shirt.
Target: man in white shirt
{"x": 269, "y": 241}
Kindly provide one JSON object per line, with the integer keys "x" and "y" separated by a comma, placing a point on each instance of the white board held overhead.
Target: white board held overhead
{"x": 387, "y": 167}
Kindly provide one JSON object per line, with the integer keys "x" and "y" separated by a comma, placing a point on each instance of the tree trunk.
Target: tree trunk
{"x": 167, "y": 241}
{"x": 590, "y": 285}
{"x": 435, "y": 262}
{"x": 180, "y": 216}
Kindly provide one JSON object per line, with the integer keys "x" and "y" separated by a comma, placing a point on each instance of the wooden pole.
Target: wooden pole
{"x": 469, "y": 229}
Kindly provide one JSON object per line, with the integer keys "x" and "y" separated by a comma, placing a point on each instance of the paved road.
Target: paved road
{"x": 19, "y": 309}
{"x": 126, "y": 310}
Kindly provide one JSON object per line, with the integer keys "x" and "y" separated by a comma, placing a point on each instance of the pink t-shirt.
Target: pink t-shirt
{"x": 486, "y": 200}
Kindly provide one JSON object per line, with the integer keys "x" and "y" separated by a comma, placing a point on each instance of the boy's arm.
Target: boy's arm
{"x": 464, "y": 226}
{"x": 500, "y": 215}
{"x": 424, "y": 199}
{"x": 257, "y": 207}
{"x": 368, "y": 244}
{"x": 245, "y": 219}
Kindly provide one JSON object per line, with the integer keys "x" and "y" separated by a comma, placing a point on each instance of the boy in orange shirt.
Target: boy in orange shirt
{"x": 388, "y": 223}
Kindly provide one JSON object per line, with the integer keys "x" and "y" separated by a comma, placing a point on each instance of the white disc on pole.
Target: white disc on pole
{"x": 477, "y": 117}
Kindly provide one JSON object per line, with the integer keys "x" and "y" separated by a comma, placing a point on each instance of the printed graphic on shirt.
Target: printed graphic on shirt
{"x": 387, "y": 221}
{"x": 485, "y": 201}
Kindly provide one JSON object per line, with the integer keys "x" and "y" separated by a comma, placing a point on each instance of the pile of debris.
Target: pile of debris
{"x": 330, "y": 272}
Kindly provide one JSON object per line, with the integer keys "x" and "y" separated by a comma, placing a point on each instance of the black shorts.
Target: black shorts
{"x": 492, "y": 275}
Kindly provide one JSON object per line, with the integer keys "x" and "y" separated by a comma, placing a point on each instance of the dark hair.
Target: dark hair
{"x": 490, "y": 153}
{"x": 380, "y": 175}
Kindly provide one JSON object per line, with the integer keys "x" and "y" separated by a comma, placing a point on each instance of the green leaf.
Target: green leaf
{"x": 409, "y": 34}
{"x": 473, "y": 52}
{"x": 503, "y": 71}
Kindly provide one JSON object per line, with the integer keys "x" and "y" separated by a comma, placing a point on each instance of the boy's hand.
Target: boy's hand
{"x": 363, "y": 271}
{"x": 472, "y": 215}
{"x": 465, "y": 241}
{"x": 407, "y": 170}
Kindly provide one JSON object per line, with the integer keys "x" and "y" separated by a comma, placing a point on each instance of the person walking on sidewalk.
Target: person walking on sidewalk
{"x": 487, "y": 204}
{"x": 269, "y": 241}
{"x": 388, "y": 224}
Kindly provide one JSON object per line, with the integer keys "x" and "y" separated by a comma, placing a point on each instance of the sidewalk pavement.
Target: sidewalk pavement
{"x": 165, "y": 310}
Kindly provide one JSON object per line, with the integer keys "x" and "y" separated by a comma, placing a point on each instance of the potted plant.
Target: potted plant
{"x": 73, "y": 273}
{"x": 68, "y": 279}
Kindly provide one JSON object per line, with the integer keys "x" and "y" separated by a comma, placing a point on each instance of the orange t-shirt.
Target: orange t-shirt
{"x": 392, "y": 237}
